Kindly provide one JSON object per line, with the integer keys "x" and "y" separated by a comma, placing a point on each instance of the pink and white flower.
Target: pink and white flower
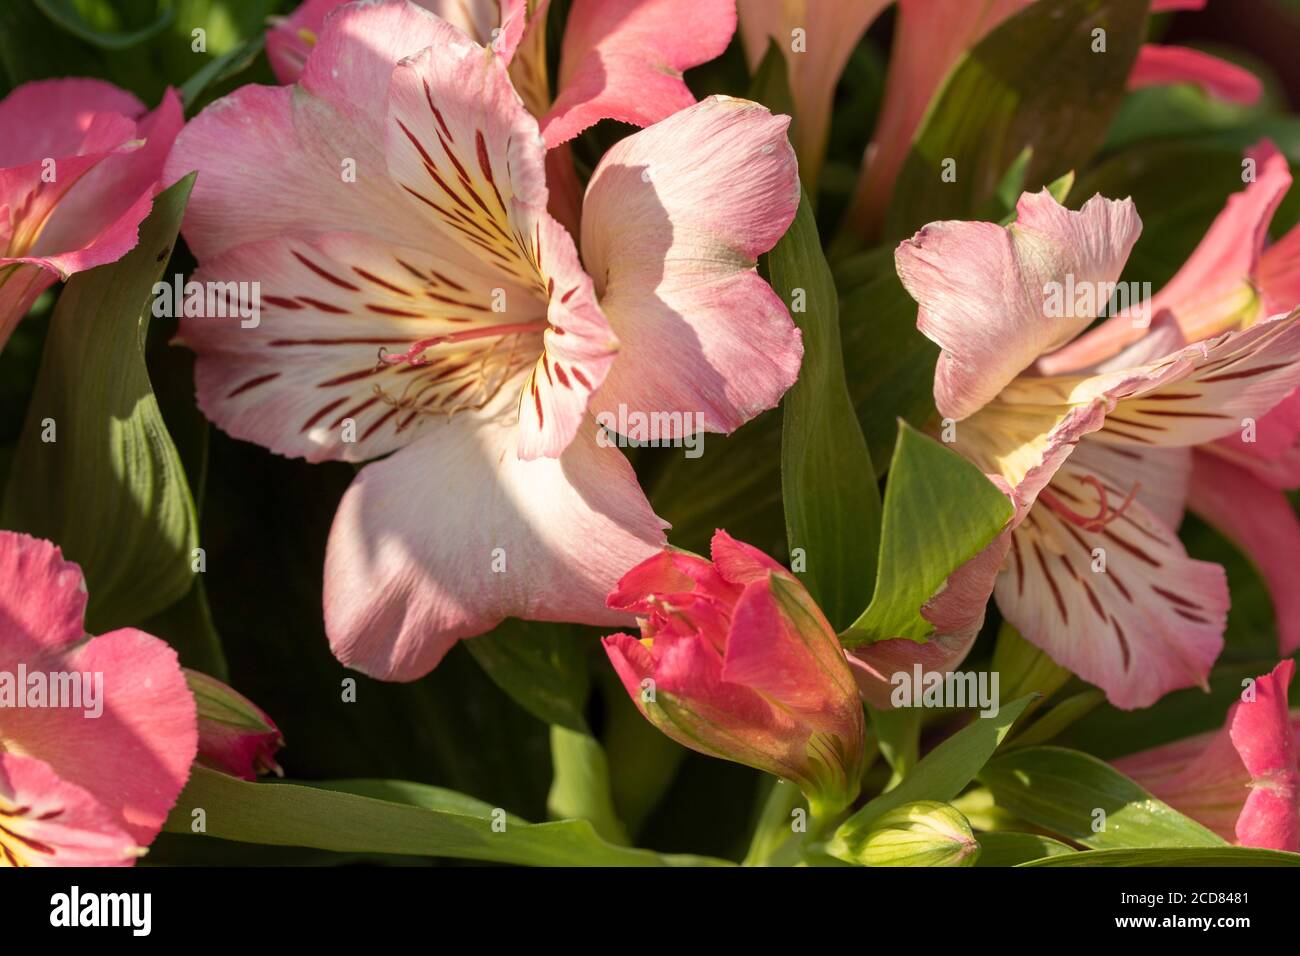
{"x": 434, "y": 309}
{"x": 1243, "y": 782}
{"x": 1097, "y": 463}
{"x": 79, "y": 788}
{"x": 1234, "y": 279}
{"x": 79, "y": 166}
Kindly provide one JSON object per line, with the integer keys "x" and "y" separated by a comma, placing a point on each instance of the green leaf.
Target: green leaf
{"x": 1062, "y": 791}
{"x": 1033, "y": 81}
{"x": 221, "y": 68}
{"x": 770, "y": 84}
{"x": 110, "y": 490}
{"x": 1007, "y": 848}
{"x": 437, "y": 824}
{"x": 832, "y": 504}
{"x": 97, "y": 23}
{"x": 1059, "y": 717}
{"x": 889, "y": 363}
{"x": 542, "y": 666}
{"x": 580, "y": 787}
{"x": 1173, "y": 856}
{"x": 940, "y": 511}
{"x": 898, "y": 734}
{"x": 945, "y": 770}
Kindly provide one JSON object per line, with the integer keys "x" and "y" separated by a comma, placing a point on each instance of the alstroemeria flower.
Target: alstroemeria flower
{"x": 1096, "y": 464}
{"x": 930, "y": 36}
{"x": 620, "y": 59}
{"x": 235, "y": 735}
{"x": 79, "y": 166}
{"x": 433, "y": 308}
{"x": 1243, "y": 782}
{"x": 89, "y": 773}
{"x": 735, "y": 660}
{"x": 1232, "y": 280}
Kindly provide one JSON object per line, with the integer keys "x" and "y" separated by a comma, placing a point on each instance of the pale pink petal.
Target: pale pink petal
{"x": 1120, "y": 604}
{"x": 42, "y": 600}
{"x": 674, "y": 220}
{"x": 243, "y": 146}
{"x": 467, "y": 153}
{"x": 410, "y": 565}
{"x": 983, "y": 290}
{"x": 830, "y": 31}
{"x": 135, "y": 756}
{"x": 46, "y": 821}
{"x": 623, "y": 60}
{"x": 1212, "y": 292}
{"x": 1262, "y": 523}
{"x": 1159, "y": 65}
{"x": 1261, "y": 731}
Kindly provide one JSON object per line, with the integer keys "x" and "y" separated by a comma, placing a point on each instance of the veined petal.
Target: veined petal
{"x": 1207, "y": 390}
{"x": 985, "y": 291}
{"x": 411, "y": 558}
{"x": 46, "y": 821}
{"x": 467, "y": 153}
{"x": 674, "y": 220}
{"x": 1107, "y": 589}
{"x": 331, "y": 308}
{"x": 623, "y": 60}
{"x": 1260, "y": 520}
{"x": 1158, "y": 65}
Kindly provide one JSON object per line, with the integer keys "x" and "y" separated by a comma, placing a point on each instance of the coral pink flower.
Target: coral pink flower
{"x": 736, "y": 660}
{"x": 235, "y": 735}
{"x": 1097, "y": 463}
{"x": 88, "y": 775}
{"x": 79, "y": 167}
{"x": 433, "y": 308}
{"x": 1243, "y": 781}
{"x": 1233, "y": 280}
{"x": 930, "y": 37}
{"x": 620, "y": 59}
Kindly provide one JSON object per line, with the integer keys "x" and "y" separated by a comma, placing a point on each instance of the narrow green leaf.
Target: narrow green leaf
{"x": 1082, "y": 798}
{"x": 898, "y": 734}
{"x": 110, "y": 489}
{"x": 542, "y": 666}
{"x": 97, "y": 23}
{"x": 221, "y": 68}
{"x": 332, "y": 819}
{"x": 832, "y": 504}
{"x": 1035, "y": 80}
{"x": 1006, "y": 848}
{"x": 580, "y": 786}
{"x": 945, "y": 770}
{"x": 1173, "y": 856}
{"x": 940, "y": 511}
